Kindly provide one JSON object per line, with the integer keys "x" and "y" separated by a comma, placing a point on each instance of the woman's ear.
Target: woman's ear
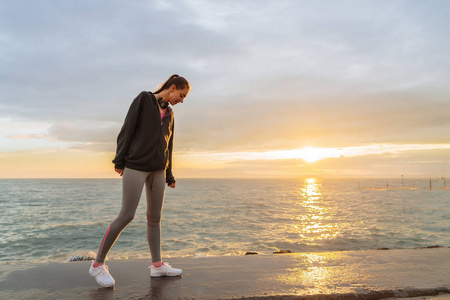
{"x": 173, "y": 88}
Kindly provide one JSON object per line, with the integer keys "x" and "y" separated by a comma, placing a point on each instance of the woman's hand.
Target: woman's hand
{"x": 172, "y": 185}
{"x": 120, "y": 171}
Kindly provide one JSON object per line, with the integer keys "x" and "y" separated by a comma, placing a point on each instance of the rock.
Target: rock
{"x": 252, "y": 253}
{"x": 382, "y": 249}
{"x": 430, "y": 247}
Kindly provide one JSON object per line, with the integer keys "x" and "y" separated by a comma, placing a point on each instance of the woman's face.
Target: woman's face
{"x": 177, "y": 96}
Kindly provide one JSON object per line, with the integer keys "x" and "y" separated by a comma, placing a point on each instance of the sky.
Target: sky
{"x": 280, "y": 88}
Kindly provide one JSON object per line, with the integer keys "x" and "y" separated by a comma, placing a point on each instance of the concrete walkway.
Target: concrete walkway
{"x": 376, "y": 274}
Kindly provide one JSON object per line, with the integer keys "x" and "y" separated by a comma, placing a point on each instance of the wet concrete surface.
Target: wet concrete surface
{"x": 371, "y": 274}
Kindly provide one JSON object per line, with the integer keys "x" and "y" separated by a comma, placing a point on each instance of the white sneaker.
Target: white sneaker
{"x": 164, "y": 270}
{"x": 101, "y": 275}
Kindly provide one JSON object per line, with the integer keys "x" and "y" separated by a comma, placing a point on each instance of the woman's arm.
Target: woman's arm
{"x": 170, "y": 180}
{"x": 126, "y": 133}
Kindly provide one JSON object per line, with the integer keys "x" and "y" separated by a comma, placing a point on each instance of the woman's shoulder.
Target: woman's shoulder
{"x": 144, "y": 99}
{"x": 146, "y": 94}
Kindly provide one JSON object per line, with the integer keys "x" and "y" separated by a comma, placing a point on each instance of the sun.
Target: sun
{"x": 313, "y": 154}
{"x": 310, "y": 154}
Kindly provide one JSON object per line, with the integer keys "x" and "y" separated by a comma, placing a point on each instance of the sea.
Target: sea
{"x": 46, "y": 220}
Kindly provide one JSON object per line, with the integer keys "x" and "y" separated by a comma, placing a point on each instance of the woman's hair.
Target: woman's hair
{"x": 179, "y": 82}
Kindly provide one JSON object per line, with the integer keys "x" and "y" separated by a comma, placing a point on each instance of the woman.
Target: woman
{"x": 144, "y": 156}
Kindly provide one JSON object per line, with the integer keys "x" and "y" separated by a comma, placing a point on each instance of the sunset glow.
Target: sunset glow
{"x": 314, "y": 154}
{"x": 79, "y": 163}
{"x": 298, "y": 95}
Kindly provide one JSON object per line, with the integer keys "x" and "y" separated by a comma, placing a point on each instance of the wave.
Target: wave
{"x": 82, "y": 257}
{"x": 372, "y": 295}
{"x": 206, "y": 252}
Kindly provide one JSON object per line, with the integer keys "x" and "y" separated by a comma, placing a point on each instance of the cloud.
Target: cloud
{"x": 324, "y": 122}
{"x": 391, "y": 163}
{"x": 265, "y": 74}
{"x": 312, "y": 154}
{"x": 27, "y": 136}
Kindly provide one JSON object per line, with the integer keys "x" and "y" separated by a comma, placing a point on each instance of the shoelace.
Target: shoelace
{"x": 103, "y": 269}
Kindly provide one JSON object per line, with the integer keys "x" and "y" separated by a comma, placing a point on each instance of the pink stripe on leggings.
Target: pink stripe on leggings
{"x": 104, "y": 239}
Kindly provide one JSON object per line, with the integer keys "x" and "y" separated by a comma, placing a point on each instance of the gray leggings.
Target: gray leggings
{"x": 132, "y": 184}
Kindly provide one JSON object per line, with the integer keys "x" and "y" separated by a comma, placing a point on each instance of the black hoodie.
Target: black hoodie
{"x": 145, "y": 142}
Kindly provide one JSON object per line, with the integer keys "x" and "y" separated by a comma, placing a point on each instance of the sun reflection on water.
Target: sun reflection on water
{"x": 318, "y": 273}
{"x": 313, "y": 221}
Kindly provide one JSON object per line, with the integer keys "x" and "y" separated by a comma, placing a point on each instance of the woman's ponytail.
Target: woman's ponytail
{"x": 179, "y": 82}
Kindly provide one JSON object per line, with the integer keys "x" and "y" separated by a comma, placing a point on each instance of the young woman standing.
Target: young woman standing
{"x": 144, "y": 157}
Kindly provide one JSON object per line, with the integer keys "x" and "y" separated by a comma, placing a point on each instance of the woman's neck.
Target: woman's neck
{"x": 163, "y": 95}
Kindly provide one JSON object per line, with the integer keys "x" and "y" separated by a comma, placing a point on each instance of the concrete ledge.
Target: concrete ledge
{"x": 326, "y": 275}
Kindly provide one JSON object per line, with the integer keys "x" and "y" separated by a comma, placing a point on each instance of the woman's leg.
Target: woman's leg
{"x": 132, "y": 184}
{"x": 155, "y": 189}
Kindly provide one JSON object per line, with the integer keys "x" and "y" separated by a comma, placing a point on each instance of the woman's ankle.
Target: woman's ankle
{"x": 97, "y": 264}
{"x": 158, "y": 264}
